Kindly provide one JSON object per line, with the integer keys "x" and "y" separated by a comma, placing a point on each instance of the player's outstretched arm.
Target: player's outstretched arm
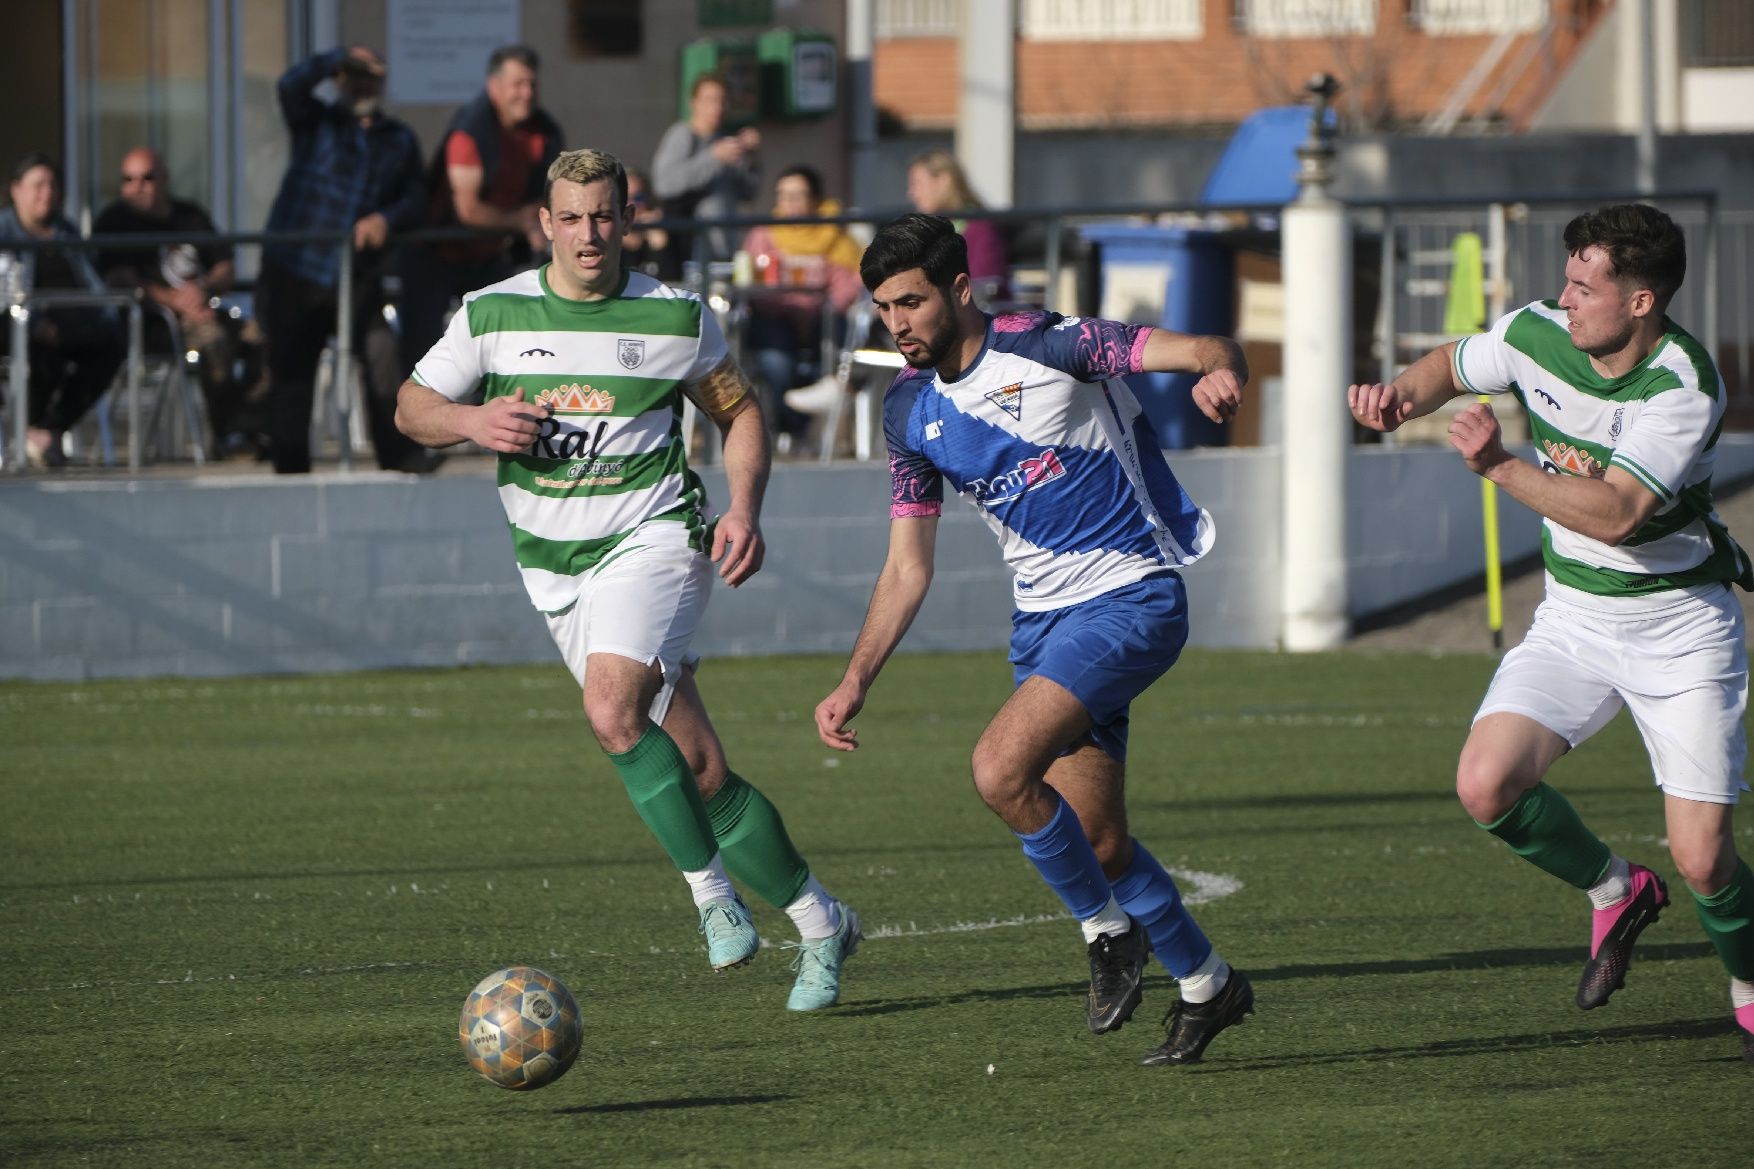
{"x": 1218, "y": 360}
{"x": 726, "y": 397}
{"x": 1424, "y": 386}
{"x": 506, "y": 424}
{"x": 895, "y": 601}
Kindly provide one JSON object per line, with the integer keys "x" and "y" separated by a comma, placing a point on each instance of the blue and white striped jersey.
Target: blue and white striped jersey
{"x": 1041, "y": 434}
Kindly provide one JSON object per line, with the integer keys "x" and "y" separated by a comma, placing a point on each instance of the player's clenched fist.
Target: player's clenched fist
{"x": 1475, "y": 433}
{"x": 507, "y": 424}
{"x": 1218, "y": 394}
{"x": 1380, "y": 407}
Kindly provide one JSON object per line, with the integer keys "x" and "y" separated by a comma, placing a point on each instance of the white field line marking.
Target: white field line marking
{"x": 1197, "y": 888}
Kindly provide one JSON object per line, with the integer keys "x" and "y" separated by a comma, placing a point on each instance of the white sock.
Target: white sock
{"x": 710, "y": 883}
{"x": 1205, "y": 983}
{"x": 1615, "y": 885}
{"x": 1741, "y": 994}
{"x": 1110, "y": 919}
{"x": 814, "y": 912}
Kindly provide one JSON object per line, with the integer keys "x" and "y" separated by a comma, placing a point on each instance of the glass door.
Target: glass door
{"x": 140, "y": 76}
{"x": 194, "y": 80}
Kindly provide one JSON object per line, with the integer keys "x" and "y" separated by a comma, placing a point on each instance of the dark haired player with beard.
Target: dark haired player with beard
{"x": 1625, "y": 409}
{"x": 1026, "y": 416}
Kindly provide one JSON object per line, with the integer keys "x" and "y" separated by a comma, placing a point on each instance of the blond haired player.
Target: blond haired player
{"x": 581, "y": 369}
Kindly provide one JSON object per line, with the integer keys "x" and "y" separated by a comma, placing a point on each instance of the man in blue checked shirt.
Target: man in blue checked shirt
{"x": 353, "y": 169}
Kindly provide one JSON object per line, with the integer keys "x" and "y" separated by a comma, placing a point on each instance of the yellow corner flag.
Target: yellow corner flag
{"x": 1464, "y": 312}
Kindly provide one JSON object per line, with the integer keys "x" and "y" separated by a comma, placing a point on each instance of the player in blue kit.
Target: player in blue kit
{"x": 1026, "y": 415}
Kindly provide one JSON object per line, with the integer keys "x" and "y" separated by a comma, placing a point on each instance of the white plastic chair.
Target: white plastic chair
{"x": 850, "y": 386}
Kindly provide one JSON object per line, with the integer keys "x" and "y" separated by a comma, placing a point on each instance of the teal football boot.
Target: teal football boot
{"x": 731, "y": 939}
{"x": 818, "y": 964}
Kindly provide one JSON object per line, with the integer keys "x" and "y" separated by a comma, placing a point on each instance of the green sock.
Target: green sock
{"x": 661, "y": 786}
{"x": 753, "y": 840}
{"x": 1728, "y": 918}
{"x": 1543, "y": 828}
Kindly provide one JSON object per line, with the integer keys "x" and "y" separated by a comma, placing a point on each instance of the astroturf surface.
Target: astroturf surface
{"x": 238, "y": 919}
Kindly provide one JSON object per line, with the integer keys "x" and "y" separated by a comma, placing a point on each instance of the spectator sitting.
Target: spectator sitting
{"x": 937, "y": 186}
{"x": 699, "y": 173}
{"x": 73, "y": 353}
{"x": 647, "y": 249}
{"x": 183, "y": 278}
{"x": 488, "y": 172}
{"x": 354, "y": 169}
{"x": 785, "y": 328}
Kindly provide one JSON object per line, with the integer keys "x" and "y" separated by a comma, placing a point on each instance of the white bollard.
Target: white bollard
{"x": 1317, "y": 433}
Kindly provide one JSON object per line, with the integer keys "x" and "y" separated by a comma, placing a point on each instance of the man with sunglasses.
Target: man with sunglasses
{"x": 184, "y": 278}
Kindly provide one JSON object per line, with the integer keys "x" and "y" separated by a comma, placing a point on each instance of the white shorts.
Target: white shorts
{"x": 644, "y": 602}
{"x": 1682, "y": 671}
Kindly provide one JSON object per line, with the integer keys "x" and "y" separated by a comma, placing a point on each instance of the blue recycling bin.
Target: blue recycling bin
{"x": 1181, "y": 279}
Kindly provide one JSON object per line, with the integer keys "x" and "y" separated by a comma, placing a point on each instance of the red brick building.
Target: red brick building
{"x": 1202, "y": 63}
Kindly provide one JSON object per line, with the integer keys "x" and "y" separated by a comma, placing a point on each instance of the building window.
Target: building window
{"x": 1306, "y": 18}
{"x": 918, "y": 18}
{"x": 1717, "y": 34}
{"x": 1113, "y": 20}
{"x": 606, "y": 28}
{"x": 1477, "y": 17}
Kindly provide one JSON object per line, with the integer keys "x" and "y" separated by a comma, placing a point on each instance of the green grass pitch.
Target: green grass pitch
{"x": 238, "y": 919}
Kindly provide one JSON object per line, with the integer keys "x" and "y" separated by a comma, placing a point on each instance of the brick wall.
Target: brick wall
{"x": 1398, "y": 75}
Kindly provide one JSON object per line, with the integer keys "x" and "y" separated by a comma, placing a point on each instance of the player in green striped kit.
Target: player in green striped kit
{"x": 581, "y": 369}
{"x": 1625, "y": 409}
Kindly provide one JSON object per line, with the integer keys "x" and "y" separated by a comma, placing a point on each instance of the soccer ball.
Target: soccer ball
{"x": 521, "y": 1028}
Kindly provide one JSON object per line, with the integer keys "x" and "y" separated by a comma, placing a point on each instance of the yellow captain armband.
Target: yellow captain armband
{"x": 721, "y": 389}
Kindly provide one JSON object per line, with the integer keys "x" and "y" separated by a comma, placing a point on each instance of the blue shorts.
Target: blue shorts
{"x": 1106, "y": 650}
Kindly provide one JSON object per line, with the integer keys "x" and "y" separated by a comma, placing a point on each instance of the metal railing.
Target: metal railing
{"x": 1528, "y": 237}
{"x": 1721, "y": 246}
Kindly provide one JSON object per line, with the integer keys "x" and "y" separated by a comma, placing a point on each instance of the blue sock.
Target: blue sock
{"x": 1150, "y": 897}
{"x": 1065, "y": 860}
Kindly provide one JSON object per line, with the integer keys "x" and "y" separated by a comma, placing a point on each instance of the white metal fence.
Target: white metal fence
{"x": 1715, "y": 303}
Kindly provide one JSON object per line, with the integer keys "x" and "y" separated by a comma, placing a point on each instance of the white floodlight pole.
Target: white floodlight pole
{"x": 986, "y": 107}
{"x": 1318, "y": 366}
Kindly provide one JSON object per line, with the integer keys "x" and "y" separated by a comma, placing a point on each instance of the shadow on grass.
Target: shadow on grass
{"x": 1074, "y": 990}
{"x": 671, "y": 1105}
{"x": 1475, "y": 960}
{"x": 1486, "y": 1045}
{"x": 1438, "y": 793}
{"x": 1472, "y": 960}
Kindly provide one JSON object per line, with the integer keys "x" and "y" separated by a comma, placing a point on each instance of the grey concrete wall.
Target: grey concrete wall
{"x": 249, "y": 574}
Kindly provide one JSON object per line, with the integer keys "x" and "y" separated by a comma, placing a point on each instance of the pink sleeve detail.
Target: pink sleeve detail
{"x": 1136, "y": 356}
{"x": 925, "y": 508}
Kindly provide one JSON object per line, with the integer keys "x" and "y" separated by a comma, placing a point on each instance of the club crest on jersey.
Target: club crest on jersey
{"x": 1568, "y": 458}
{"x": 630, "y": 352}
{"x": 1614, "y": 426}
{"x": 576, "y": 399}
{"x": 1008, "y": 398}
{"x": 1027, "y": 475}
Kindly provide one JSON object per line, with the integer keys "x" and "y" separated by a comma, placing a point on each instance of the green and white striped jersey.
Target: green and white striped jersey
{"x": 612, "y": 456}
{"x": 1659, "y": 422}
